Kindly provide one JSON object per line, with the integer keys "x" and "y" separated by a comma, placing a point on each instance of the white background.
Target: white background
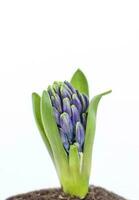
{"x": 43, "y": 41}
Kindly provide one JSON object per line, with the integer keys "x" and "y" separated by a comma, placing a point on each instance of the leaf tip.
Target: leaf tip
{"x": 44, "y": 93}
{"x": 107, "y": 92}
{"x": 79, "y": 81}
{"x": 79, "y": 71}
{"x": 35, "y": 96}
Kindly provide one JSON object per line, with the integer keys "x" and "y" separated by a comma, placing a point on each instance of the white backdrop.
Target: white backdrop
{"x": 43, "y": 41}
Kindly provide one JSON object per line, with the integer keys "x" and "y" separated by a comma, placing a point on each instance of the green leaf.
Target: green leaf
{"x": 37, "y": 115}
{"x": 90, "y": 134}
{"x": 79, "y": 81}
{"x": 74, "y": 162}
{"x": 53, "y": 135}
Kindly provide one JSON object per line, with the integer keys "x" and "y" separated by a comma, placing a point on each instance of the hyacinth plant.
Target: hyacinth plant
{"x": 66, "y": 121}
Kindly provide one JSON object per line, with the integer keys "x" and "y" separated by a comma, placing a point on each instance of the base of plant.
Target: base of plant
{"x": 95, "y": 193}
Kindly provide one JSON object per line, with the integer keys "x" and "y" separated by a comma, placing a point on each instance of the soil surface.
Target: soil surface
{"x": 95, "y": 193}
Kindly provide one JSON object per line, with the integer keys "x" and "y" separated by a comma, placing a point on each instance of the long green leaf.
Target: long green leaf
{"x": 37, "y": 115}
{"x": 79, "y": 81}
{"x": 90, "y": 134}
{"x": 53, "y": 135}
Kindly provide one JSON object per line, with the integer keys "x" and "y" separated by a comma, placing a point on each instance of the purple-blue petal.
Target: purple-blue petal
{"x": 56, "y": 102}
{"x": 68, "y": 89}
{"x": 70, "y": 86}
{"x": 86, "y": 101}
{"x": 66, "y": 106}
{"x": 64, "y": 140}
{"x": 75, "y": 116}
{"x": 83, "y": 102}
{"x": 64, "y": 92}
{"x": 50, "y": 91}
{"x": 79, "y": 133}
{"x": 57, "y": 115}
{"x": 66, "y": 125}
{"x": 76, "y": 101}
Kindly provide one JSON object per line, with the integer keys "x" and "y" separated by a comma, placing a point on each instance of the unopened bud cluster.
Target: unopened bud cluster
{"x": 70, "y": 110}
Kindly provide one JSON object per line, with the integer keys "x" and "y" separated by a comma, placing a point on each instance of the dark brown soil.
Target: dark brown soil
{"x": 95, "y": 193}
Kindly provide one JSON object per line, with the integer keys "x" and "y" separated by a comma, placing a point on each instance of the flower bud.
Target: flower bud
{"x": 56, "y": 102}
{"x": 64, "y": 140}
{"x": 66, "y": 125}
{"x": 84, "y": 101}
{"x": 64, "y": 93}
{"x": 56, "y": 87}
{"x": 66, "y": 106}
{"x": 57, "y": 115}
{"x": 75, "y": 114}
{"x": 79, "y": 135}
{"x": 76, "y": 101}
{"x": 70, "y": 86}
{"x": 51, "y": 91}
